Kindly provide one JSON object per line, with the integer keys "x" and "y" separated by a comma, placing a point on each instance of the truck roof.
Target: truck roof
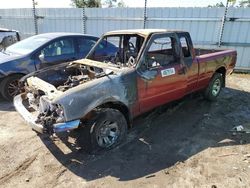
{"x": 143, "y": 32}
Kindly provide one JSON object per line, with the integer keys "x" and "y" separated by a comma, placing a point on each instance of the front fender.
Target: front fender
{"x": 78, "y": 101}
{"x": 95, "y": 104}
{"x": 21, "y": 66}
{"x": 2, "y": 75}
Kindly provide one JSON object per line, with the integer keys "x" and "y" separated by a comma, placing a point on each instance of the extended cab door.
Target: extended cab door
{"x": 191, "y": 64}
{"x": 162, "y": 76}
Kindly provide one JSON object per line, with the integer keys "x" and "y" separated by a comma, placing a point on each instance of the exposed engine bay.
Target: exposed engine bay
{"x": 41, "y": 89}
{"x": 53, "y": 81}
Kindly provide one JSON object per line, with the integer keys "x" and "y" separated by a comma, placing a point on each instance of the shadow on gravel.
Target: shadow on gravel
{"x": 163, "y": 137}
{"x": 6, "y": 105}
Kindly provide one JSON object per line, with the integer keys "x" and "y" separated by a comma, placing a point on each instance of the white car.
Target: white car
{"x": 8, "y": 37}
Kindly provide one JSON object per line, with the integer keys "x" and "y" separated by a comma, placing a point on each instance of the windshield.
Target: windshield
{"x": 121, "y": 50}
{"x": 27, "y": 45}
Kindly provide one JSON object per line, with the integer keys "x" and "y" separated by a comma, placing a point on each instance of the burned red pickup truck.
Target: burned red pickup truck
{"x": 101, "y": 94}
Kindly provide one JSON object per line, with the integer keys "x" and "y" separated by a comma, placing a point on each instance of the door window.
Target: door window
{"x": 184, "y": 46}
{"x": 161, "y": 52}
{"x": 59, "y": 48}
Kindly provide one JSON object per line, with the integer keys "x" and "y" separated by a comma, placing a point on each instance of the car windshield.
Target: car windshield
{"x": 27, "y": 45}
{"x": 121, "y": 50}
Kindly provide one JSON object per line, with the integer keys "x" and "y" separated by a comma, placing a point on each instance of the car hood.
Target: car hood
{"x": 5, "y": 57}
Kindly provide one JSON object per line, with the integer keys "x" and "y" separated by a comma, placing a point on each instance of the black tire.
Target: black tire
{"x": 214, "y": 88}
{"x": 5, "y": 86}
{"x": 90, "y": 132}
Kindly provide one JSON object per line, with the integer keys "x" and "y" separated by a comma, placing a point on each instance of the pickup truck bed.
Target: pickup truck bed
{"x": 203, "y": 51}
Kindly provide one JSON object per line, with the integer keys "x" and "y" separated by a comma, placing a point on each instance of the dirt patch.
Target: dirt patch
{"x": 16, "y": 172}
{"x": 187, "y": 143}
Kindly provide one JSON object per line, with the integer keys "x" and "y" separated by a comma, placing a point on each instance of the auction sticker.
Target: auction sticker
{"x": 167, "y": 72}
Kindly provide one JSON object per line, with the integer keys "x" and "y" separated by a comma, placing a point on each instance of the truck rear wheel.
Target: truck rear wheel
{"x": 213, "y": 90}
{"x": 107, "y": 130}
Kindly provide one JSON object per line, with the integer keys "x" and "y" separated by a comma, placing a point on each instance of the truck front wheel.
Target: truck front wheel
{"x": 105, "y": 131}
{"x": 214, "y": 87}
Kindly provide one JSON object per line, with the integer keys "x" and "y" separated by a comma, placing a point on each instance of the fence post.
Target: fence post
{"x": 35, "y": 17}
{"x": 145, "y": 15}
{"x": 223, "y": 24}
{"x": 83, "y": 21}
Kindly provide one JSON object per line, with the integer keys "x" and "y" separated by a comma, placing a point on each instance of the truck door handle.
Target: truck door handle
{"x": 182, "y": 70}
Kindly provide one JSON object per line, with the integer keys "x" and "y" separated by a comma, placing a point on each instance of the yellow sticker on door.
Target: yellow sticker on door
{"x": 167, "y": 72}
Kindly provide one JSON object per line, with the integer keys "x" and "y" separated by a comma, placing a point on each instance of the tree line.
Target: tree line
{"x": 97, "y": 3}
{"x": 120, "y": 3}
{"x": 232, "y": 3}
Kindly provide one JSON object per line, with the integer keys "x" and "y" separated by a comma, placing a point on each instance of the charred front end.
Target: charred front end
{"x": 37, "y": 102}
{"x": 57, "y": 98}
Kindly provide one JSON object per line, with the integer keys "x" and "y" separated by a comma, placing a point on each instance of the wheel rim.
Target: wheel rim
{"x": 107, "y": 134}
{"x": 216, "y": 87}
{"x": 13, "y": 89}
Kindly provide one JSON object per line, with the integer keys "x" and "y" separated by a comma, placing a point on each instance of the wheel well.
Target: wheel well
{"x": 222, "y": 70}
{"x": 21, "y": 74}
{"x": 121, "y": 107}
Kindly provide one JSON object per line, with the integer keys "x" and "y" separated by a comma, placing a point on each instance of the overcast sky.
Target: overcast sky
{"x": 129, "y": 3}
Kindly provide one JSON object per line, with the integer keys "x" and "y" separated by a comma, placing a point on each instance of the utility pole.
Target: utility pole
{"x": 35, "y": 17}
{"x": 83, "y": 20}
{"x": 145, "y": 15}
{"x": 223, "y": 24}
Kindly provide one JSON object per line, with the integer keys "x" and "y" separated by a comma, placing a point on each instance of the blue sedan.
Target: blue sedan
{"x": 38, "y": 52}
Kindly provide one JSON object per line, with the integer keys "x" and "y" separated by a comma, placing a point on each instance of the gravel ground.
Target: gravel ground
{"x": 184, "y": 144}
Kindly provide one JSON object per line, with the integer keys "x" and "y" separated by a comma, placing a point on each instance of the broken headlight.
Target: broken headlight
{"x": 48, "y": 109}
{"x": 60, "y": 113}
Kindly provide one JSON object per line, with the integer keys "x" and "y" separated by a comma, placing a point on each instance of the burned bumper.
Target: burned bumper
{"x": 31, "y": 119}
